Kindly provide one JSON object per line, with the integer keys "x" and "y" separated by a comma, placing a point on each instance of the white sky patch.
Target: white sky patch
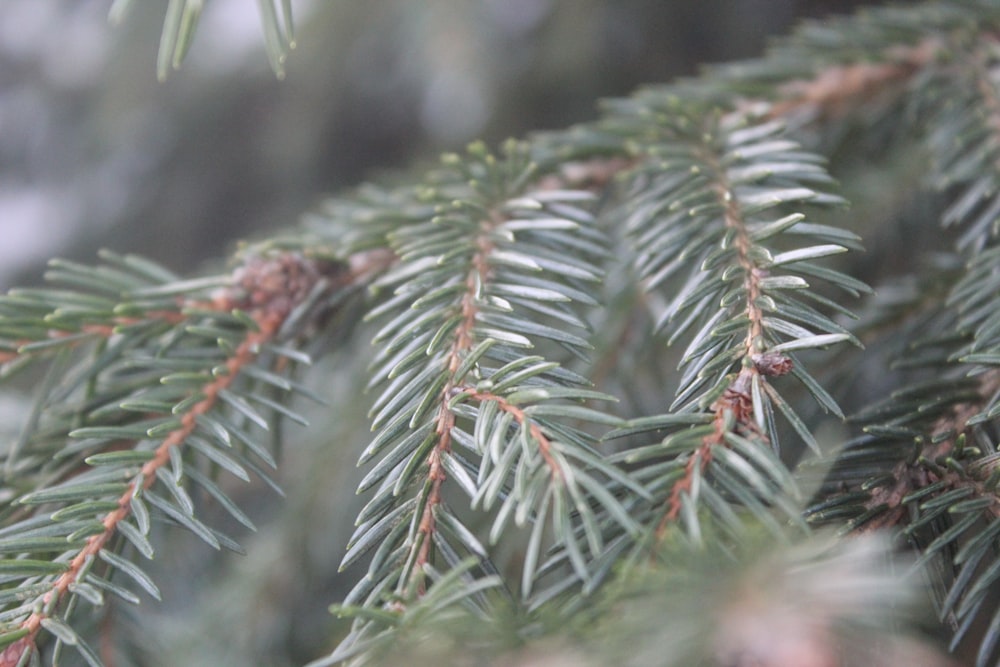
{"x": 70, "y": 41}
{"x": 455, "y": 106}
{"x": 230, "y": 36}
{"x": 32, "y": 222}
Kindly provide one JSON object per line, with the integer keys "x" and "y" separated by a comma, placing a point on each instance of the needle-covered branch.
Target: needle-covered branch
{"x": 182, "y": 377}
{"x": 693, "y": 234}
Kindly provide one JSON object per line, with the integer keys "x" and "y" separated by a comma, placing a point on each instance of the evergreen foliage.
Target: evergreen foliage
{"x": 605, "y": 384}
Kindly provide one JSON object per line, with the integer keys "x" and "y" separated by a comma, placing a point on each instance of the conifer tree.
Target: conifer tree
{"x": 644, "y": 391}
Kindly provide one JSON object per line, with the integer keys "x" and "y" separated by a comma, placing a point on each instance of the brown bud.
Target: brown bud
{"x": 772, "y": 363}
{"x": 11, "y": 656}
{"x": 276, "y": 284}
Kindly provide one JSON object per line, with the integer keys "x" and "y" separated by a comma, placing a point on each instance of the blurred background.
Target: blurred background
{"x": 94, "y": 152}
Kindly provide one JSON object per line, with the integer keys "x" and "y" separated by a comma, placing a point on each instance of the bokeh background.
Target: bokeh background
{"x": 95, "y": 152}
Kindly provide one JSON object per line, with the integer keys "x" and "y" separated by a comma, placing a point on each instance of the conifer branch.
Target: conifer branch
{"x": 23, "y": 346}
{"x": 485, "y": 278}
{"x": 462, "y": 342}
{"x": 703, "y": 214}
{"x": 268, "y": 324}
{"x": 734, "y": 409}
{"x": 464, "y": 402}
{"x": 269, "y": 290}
{"x": 930, "y": 464}
{"x": 836, "y": 91}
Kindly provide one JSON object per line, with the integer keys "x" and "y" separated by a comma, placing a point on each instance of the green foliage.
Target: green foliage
{"x": 598, "y": 357}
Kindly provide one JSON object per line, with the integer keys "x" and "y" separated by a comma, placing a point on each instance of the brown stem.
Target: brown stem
{"x": 697, "y": 463}
{"x": 269, "y": 288}
{"x": 733, "y": 410}
{"x": 837, "y": 90}
{"x": 461, "y": 343}
{"x": 245, "y": 353}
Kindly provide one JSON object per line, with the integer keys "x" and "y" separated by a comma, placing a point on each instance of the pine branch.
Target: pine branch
{"x": 478, "y": 281}
{"x": 839, "y": 90}
{"x": 111, "y": 486}
{"x": 703, "y": 211}
{"x": 941, "y": 432}
{"x": 942, "y": 490}
{"x": 688, "y": 200}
